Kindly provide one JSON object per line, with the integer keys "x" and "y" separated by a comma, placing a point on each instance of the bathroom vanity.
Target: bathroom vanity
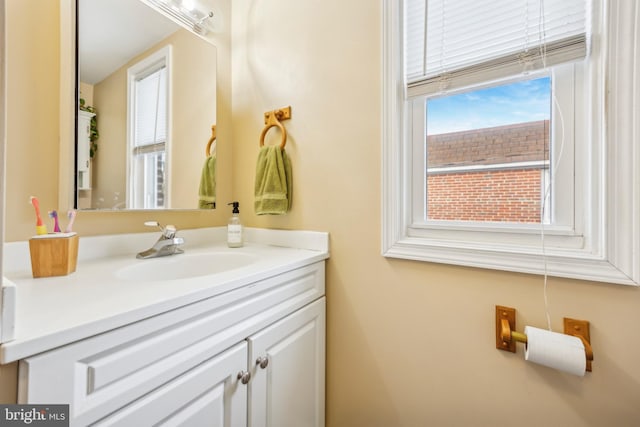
{"x": 129, "y": 344}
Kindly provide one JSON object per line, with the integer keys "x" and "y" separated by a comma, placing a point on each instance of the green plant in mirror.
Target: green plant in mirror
{"x": 93, "y": 130}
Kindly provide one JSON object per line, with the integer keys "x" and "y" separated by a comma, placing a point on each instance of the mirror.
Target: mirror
{"x": 147, "y": 104}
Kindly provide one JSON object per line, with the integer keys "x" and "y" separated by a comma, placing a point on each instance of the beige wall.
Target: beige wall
{"x": 109, "y": 165}
{"x": 9, "y": 383}
{"x": 86, "y": 93}
{"x": 193, "y": 112}
{"x": 32, "y": 111}
{"x": 408, "y": 343}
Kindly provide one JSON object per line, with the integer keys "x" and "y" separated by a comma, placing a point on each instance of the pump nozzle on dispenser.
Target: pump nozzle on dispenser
{"x": 236, "y": 205}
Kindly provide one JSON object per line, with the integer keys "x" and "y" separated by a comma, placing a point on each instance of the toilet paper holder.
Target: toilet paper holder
{"x": 507, "y": 336}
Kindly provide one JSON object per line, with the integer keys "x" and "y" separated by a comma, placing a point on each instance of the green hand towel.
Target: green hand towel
{"x": 207, "y": 190}
{"x": 273, "y": 186}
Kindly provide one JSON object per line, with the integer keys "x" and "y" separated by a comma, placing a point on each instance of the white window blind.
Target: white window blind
{"x": 456, "y": 43}
{"x": 151, "y": 109}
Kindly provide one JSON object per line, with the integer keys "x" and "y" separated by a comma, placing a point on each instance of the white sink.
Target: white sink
{"x": 184, "y": 266}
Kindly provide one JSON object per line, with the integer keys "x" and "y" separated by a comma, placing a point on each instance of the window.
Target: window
{"x": 488, "y": 154}
{"x": 439, "y": 53}
{"x": 148, "y": 138}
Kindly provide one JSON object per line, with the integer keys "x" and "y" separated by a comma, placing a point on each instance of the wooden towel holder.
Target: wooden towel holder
{"x": 207, "y": 151}
{"x": 507, "y": 336}
{"x": 271, "y": 119}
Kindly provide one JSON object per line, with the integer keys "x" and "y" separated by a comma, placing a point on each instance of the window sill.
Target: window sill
{"x": 571, "y": 264}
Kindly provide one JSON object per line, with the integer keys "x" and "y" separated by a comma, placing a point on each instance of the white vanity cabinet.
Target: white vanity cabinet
{"x": 196, "y": 365}
{"x": 206, "y": 395}
{"x": 287, "y": 384}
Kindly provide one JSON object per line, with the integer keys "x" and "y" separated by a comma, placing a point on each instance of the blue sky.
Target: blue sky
{"x": 518, "y": 102}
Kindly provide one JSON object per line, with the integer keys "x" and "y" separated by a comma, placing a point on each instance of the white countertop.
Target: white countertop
{"x": 51, "y": 312}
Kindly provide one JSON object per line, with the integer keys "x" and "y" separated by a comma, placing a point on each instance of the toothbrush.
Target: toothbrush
{"x": 56, "y": 224}
{"x": 40, "y": 227}
{"x": 72, "y": 216}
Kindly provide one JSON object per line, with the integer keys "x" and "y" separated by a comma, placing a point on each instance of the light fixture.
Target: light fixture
{"x": 194, "y": 15}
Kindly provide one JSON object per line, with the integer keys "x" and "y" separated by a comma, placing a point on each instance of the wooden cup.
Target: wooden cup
{"x": 53, "y": 256}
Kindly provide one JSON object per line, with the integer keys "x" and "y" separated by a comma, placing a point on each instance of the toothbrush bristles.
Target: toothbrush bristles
{"x": 56, "y": 225}
{"x": 72, "y": 216}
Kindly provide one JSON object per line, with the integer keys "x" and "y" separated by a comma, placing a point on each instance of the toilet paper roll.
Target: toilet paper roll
{"x": 559, "y": 351}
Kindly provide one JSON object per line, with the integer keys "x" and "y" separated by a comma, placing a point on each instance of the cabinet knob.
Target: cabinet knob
{"x": 263, "y": 362}
{"x": 244, "y": 377}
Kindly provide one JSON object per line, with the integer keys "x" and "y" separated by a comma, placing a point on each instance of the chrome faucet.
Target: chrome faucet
{"x": 167, "y": 244}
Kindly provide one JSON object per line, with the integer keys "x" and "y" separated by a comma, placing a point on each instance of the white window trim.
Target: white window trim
{"x": 161, "y": 55}
{"x": 534, "y": 164}
{"x": 608, "y": 210}
{"x": 567, "y": 222}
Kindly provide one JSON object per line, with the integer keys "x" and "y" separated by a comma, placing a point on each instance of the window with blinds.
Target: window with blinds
{"x": 148, "y": 150}
{"x": 456, "y": 43}
{"x": 481, "y": 74}
{"x": 444, "y": 64}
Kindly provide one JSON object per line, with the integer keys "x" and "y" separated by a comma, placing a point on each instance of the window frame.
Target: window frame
{"x": 158, "y": 59}
{"x": 564, "y": 80}
{"x": 606, "y": 172}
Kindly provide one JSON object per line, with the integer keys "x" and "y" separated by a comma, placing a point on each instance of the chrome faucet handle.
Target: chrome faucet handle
{"x": 153, "y": 224}
{"x": 168, "y": 232}
{"x": 167, "y": 244}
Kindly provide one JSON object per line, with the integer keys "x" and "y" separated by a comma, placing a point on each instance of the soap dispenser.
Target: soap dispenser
{"x": 235, "y": 238}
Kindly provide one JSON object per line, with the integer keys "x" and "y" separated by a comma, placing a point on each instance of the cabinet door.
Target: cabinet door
{"x": 210, "y": 394}
{"x": 288, "y": 389}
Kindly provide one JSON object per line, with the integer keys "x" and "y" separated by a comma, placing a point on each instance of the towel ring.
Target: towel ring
{"x": 207, "y": 151}
{"x": 271, "y": 120}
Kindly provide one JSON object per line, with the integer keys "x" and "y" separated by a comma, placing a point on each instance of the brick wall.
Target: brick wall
{"x": 502, "y": 194}
{"x": 522, "y": 142}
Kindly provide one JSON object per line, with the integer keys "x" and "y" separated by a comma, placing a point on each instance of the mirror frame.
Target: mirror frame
{"x": 67, "y": 181}
{"x": 68, "y": 101}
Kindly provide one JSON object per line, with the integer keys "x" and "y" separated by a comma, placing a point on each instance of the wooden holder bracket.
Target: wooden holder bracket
{"x": 272, "y": 119}
{"x": 580, "y": 329}
{"x": 507, "y": 336}
{"x": 505, "y": 324}
{"x": 279, "y": 114}
{"x": 207, "y": 150}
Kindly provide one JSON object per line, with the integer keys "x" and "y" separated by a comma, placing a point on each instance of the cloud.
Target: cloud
{"x": 519, "y": 102}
